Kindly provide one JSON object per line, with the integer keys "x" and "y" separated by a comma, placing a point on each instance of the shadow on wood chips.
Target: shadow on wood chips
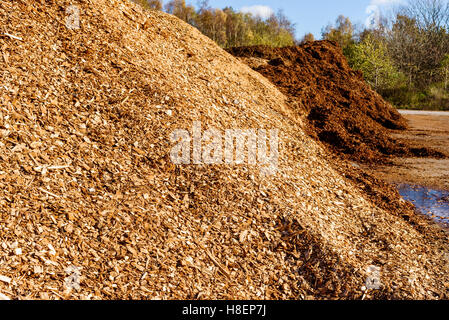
{"x": 342, "y": 110}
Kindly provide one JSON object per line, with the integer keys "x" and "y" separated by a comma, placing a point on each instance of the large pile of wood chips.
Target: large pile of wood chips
{"x": 92, "y": 207}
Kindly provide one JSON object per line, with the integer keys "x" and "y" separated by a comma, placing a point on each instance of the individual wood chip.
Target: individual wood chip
{"x": 4, "y": 297}
{"x": 5, "y": 279}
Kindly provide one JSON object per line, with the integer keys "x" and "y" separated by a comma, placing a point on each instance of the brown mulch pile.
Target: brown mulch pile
{"x": 343, "y": 111}
{"x": 91, "y": 207}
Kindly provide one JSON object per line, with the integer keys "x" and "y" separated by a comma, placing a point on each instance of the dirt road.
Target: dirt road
{"x": 423, "y": 113}
{"x": 428, "y": 128}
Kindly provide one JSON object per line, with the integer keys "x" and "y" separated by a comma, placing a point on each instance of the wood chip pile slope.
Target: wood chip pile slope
{"x": 92, "y": 207}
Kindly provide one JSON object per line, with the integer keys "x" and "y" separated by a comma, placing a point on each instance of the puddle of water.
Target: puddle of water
{"x": 433, "y": 203}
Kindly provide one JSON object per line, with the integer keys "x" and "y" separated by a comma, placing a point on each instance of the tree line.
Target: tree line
{"x": 405, "y": 56}
{"x": 228, "y": 27}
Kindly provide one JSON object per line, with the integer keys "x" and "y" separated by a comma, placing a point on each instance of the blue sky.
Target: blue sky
{"x": 310, "y": 15}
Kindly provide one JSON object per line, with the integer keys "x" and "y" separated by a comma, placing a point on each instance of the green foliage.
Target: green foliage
{"x": 406, "y": 57}
{"x": 445, "y": 71}
{"x": 434, "y": 98}
{"x": 267, "y": 32}
{"x": 371, "y": 57}
{"x": 230, "y": 28}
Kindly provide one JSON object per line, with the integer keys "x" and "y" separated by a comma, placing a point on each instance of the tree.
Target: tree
{"x": 181, "y": 10}
{"x": 285, "y": 24}
{"x": 228, "y": 27}
{"x": 150, "y": 4}
{"x": 239, "y": 31}
{"x": 275, "y": 31}
{"x": 308, "y": 37}
{"x": 371, "y": 57}
{"x": 406, "y": 46}
{"x": 429, "y": 14}
{"x": 342, "y": 32}
{"x": 445, "y": 70}
{"x": 212, "y": 23}
{"x": 417, "y": 51}
{"x": 405, "y": 54}
{"x": 155, "y": 4}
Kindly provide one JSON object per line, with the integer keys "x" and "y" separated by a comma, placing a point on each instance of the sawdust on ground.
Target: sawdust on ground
{"x": 425, "y": 128}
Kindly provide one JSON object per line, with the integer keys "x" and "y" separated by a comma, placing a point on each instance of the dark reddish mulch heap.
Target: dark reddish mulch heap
{"x": 343, "y": 111}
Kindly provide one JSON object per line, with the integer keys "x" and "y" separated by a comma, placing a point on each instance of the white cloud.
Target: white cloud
{"x": 259, "y": 11}
{"x": 373, "y": 10}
